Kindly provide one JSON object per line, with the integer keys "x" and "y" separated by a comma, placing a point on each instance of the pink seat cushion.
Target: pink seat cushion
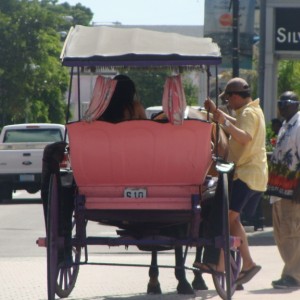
{"x": 167, "y": 160}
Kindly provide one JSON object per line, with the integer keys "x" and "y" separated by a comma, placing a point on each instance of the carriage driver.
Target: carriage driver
{"x": 247, "y": 151}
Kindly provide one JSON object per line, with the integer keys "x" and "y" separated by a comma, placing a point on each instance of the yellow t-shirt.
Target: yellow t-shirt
{"x": 250, "y": 160}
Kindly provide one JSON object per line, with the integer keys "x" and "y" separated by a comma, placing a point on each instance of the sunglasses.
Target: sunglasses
{"x": 285, "y": 103}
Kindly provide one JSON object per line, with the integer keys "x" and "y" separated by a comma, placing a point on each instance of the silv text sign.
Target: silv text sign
{"x": 287, "y": 29}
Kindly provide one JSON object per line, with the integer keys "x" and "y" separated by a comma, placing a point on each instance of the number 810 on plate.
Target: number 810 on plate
{"x": 135, "y": 193}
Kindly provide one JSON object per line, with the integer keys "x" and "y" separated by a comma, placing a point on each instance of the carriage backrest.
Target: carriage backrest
{"x": 140, "y": 153}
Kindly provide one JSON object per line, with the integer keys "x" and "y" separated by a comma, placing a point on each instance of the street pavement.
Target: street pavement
{"x": 23, "y": 266}
{"x": 24, "y": 278}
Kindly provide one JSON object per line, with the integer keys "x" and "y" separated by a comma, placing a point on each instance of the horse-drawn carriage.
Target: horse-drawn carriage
{"x": 145, "y": 177}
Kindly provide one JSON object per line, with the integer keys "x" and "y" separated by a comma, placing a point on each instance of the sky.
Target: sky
{"x": 145, "y": 12}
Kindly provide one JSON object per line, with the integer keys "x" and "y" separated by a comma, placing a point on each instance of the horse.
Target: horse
{"x": 219, "y": 141}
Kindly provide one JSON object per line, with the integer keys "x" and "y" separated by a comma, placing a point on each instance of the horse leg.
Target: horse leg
{"x": 153, "y": 285}
{"x": 183, "y": 286}
{"x": 198, "y": 282}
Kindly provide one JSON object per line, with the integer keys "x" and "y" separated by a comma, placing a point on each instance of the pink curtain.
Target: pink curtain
{"x": 174, "y": 102}
{"x": 103, "y": 91}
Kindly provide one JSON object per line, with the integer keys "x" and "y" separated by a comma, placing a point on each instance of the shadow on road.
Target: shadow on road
{"x": 21, "y": 201}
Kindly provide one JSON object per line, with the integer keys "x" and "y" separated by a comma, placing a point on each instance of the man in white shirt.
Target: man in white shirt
{"x": 283, "y": 186}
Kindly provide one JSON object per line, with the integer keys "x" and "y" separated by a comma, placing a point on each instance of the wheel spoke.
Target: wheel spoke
{"x": 68, "y": 275}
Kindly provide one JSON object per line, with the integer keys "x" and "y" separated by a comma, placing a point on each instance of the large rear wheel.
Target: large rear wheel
{"x": 222, "y": 286}
{"x": 225, "y": 284}
{"x": 63, "y": 258}
{"x": 52, "y": 237}
{"x": 68, "y": 269}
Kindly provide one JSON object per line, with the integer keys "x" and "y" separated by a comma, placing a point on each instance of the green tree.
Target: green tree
{"x": 150, "y": 86}
{"x": 70, "y": 15}
{"x": 288, "y": 76}
{"x": 32, "y": 81}
{"x": 191, "y": 91}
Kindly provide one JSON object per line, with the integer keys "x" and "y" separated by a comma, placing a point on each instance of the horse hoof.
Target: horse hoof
{"x": 153, "y": 289}
{"x": 184, "y": 288}
{"x": 198, "y": 283}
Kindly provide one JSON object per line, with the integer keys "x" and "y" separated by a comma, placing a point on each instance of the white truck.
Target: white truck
{"x": 21, "y": 153}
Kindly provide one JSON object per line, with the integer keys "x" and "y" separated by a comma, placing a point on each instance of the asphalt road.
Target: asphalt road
{"x": 23, "y": 264}
{"x": 22, "y": 223}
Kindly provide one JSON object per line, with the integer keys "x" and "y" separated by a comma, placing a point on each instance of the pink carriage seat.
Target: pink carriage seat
{"x": 168, "y": 163}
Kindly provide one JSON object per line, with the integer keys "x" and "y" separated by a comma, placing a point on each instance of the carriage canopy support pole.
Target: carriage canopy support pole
{"x": 78, "y": 94}
{"x": 69, "y": 100}
{"x": 235, "y": 38}
{"x": 208, "y": 87}
{"x": 217, "y": 105}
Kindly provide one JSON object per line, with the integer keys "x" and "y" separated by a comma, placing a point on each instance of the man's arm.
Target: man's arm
{"x": 236, "y": 133}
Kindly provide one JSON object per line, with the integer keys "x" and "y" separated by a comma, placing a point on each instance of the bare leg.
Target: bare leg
{"x": 237, "y": 229}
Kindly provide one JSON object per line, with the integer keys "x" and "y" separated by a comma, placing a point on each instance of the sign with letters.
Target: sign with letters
{"x": 218, "y": 21}
{"x": 287, "y": 29}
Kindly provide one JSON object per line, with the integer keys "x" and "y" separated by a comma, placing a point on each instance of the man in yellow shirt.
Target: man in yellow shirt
{"x": 247, "y": 150}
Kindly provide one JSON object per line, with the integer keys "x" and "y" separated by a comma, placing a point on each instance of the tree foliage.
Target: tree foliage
{"x": 288, "y": 76}
{"x": 32, "y": 81}
{"x": 191, "y": 91}
{"x": 150, "y": 86}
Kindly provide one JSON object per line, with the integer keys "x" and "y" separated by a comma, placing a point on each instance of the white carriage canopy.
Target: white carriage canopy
{"x": 134, "y": 47}
{"x": 119, "y": 47}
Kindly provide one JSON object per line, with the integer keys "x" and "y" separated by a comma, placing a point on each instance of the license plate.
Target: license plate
{"x": 27, "y": 177}
{"x": 135, "y": 193}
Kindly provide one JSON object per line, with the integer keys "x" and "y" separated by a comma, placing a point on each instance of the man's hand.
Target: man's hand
{"x": 219, "y": 116}
{"x": 210, "y": 105}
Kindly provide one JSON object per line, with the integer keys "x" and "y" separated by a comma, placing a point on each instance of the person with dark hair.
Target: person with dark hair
{"x": 247, "y": 151}
{"x": 225, "y": 107}
{"x": 276, "y": 125}
{"x": 124, "y": 104}
{"x": 284, "y": 188}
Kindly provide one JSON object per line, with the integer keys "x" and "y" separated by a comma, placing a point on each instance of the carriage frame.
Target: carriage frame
{"x": 95, "y": 47}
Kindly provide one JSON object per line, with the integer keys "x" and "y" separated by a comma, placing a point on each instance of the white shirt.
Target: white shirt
{"x": 285, "y": 160}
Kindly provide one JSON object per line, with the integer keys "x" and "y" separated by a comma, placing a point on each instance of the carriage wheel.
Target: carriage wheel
{"x": 225, "y": 284}
{"x": 68, "y": 272}
{"x": 220, "y": 281}
{"x": 52, "y": 237}
{"x": 62, "y": 269}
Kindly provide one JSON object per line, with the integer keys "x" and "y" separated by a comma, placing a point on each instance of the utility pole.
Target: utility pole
{"x": 235, "y": 37}
{"x": 262, "y": 55}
